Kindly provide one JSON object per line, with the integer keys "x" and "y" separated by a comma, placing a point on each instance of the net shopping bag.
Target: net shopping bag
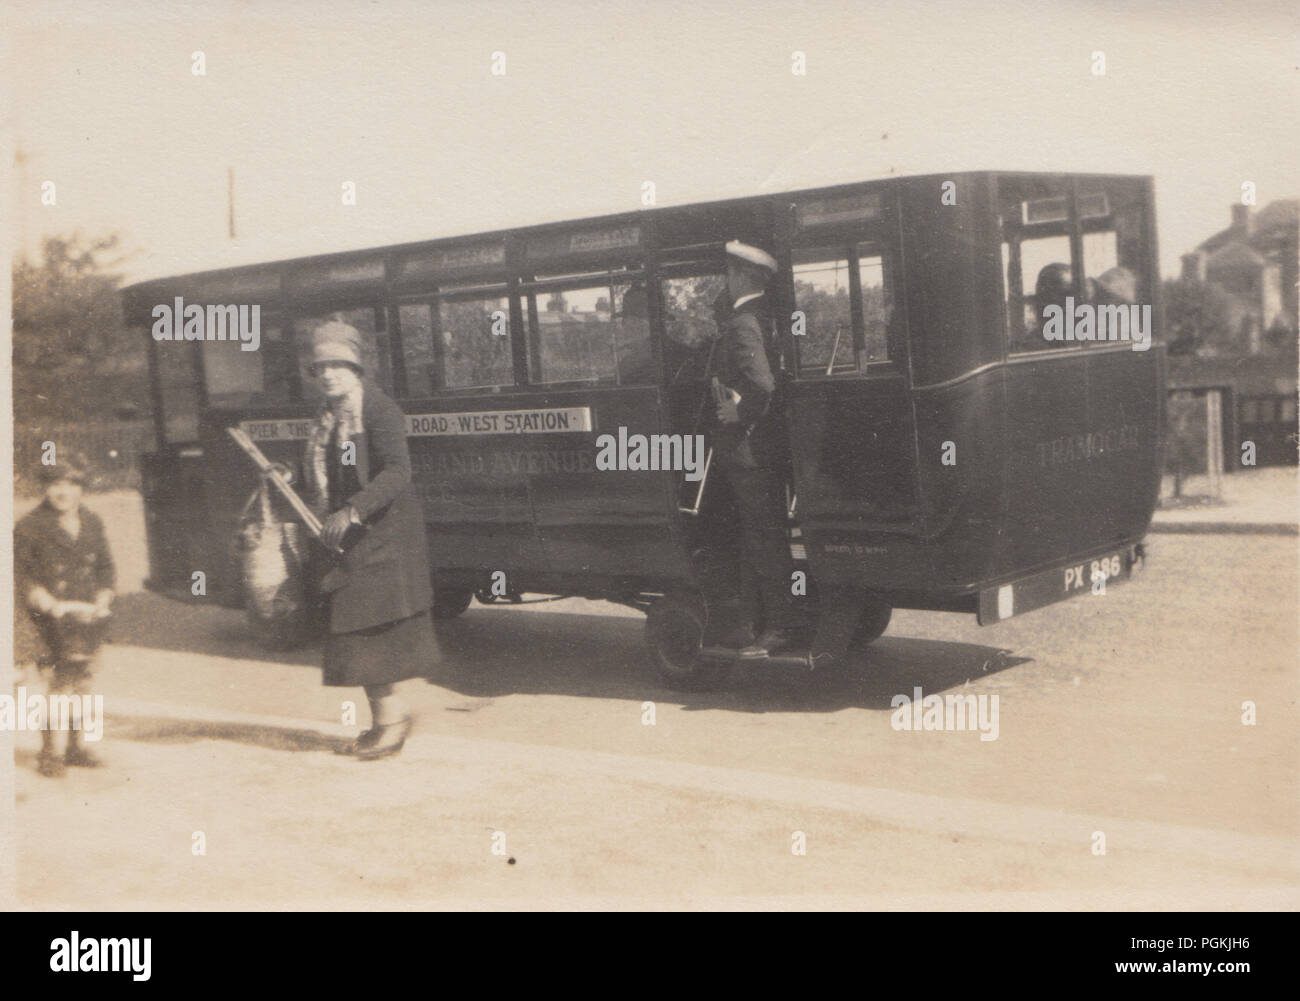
{"x": 272, "y": 562}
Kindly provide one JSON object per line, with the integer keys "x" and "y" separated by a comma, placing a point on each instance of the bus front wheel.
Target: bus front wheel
{"x": 449, "y": 602}
{"x": 674, "y": 632}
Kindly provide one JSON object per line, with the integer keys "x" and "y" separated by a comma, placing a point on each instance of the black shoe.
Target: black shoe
{"x": 365, "y": 740}
{"x": 388, "y": 741}
{"x": 772, "y": 641}
{"x": 50, "y": 765}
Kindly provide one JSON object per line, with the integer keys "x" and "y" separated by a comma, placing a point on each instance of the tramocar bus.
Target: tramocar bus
{"x": 947, "y": 449}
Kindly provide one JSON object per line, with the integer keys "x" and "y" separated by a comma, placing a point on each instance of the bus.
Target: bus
{"x": 943, "y": 453}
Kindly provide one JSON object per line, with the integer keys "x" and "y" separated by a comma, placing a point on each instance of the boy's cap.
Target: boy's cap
{"x": 67, "y": 466}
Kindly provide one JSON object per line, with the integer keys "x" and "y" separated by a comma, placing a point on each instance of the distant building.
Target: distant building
{"x": 1256, "y": 261}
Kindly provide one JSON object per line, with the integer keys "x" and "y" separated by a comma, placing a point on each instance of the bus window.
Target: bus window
{"x": 690, "y": 322}
{"x": 374, "y": 347}
{"x": 238, "y": 378}
{"x": 1112, "y": 219}
{"x": 821, "y": 293}
{"x": 463, "y": 342}
{"x": 179, "y": 379}
{"x": 877, "y": 304}
{"x": 1038, "y": 265}
{"x": 1287, "y": 414}
{"x": 590, "y": 333}
{"x": 475, "y": 341}
{"x": 422, "y": 361}
{"x": 846, "y": 322}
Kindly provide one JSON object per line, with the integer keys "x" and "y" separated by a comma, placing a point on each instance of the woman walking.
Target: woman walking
{"x": 357, "y": 475}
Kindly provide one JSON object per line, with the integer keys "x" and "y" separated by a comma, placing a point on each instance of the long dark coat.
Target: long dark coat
{"x": 70, "y": 569}
{"x": 383, "y": 575}
{"x": 741, "y": 363}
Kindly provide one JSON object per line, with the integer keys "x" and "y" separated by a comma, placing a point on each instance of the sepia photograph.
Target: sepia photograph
{"x": 513, "y": 456}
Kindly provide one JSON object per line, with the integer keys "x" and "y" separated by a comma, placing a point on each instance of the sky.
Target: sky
{"x": 598, "y": 98}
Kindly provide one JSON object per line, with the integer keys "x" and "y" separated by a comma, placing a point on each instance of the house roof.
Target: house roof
{"x": 1234, "y": 255}
{"x": 1276, "y": 215}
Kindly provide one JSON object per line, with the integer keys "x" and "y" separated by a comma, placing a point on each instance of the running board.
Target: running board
{"x": 797, "y": 660}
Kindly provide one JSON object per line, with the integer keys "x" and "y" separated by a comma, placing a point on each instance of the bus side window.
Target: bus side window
{"x": 822, "y": 295}
{"x": 877, "y": 304}
{"x": 474, "y": 342}
{"x": 844, "y": 296}
{"x": 593, "y": 333}
{"x": 418, "y": 348}
{"x": 690, "y": 322}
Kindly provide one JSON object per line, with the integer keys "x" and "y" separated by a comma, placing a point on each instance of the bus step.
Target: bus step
{"x": 796, "y": 659}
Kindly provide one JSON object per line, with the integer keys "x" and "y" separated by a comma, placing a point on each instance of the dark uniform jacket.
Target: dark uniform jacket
{"x": 383, "y": 574}
{"x": 741, "y": 363}
{"x": 70, "y": 569}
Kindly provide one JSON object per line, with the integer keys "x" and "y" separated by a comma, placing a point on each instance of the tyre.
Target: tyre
{"x": 872, "y": 625}
{"x": 449, "y": 602}
{"x": 674, "y": 632}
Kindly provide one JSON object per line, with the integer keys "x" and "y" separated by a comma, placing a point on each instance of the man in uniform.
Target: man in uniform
{"x": 747, "y": 446}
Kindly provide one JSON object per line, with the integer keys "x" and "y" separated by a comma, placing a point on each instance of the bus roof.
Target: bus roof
{"x": 298, "y": 248}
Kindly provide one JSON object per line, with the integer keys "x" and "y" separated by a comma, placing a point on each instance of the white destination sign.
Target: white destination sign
{"x": 556, "y": 420}
{"x": 551, "y": 421}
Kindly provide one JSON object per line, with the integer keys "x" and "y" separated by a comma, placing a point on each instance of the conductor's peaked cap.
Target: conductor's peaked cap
{"x": 751, "y": 255}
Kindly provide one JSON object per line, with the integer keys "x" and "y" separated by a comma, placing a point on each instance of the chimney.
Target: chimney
{"x": 1242, "y": 223}
{"x": 1194, "y": 267}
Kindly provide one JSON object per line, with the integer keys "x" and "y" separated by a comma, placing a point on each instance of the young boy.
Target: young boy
{"x": 64, "y": 576}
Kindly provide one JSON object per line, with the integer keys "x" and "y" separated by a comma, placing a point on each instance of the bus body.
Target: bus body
{"x": 942, "y": 453}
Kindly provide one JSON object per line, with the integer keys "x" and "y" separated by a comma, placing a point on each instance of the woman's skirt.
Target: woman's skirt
{"x": 382, "y": 654}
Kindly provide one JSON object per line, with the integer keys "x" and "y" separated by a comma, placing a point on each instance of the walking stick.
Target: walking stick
{"x": 281, "y": 484}
{"x": 710, "y": 391}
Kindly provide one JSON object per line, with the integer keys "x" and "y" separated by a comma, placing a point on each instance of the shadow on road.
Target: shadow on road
{"x": 491, "y": 652}
{"x": 598, "y": 657}
{"x": 176, "y": 731}
{"x": 161, "y": 623}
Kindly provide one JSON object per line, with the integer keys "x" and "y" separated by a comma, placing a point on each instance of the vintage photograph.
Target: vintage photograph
{"x": 834, "y": 456}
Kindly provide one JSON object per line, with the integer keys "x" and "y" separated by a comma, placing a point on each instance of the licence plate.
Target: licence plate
{"x": 1091, "y": 577}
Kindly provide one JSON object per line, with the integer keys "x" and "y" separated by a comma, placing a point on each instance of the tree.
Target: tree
{"x": 1198, "y": 316}
{"x": 73, "y": 355}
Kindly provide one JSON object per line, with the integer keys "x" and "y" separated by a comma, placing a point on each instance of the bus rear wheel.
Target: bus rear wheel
{"x": 449, "y": 602}
{"x": 872, "y": 625}
{"x": 674, "y": 632}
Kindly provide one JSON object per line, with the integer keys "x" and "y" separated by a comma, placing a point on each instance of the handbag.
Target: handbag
{"x": 272, "y": 563}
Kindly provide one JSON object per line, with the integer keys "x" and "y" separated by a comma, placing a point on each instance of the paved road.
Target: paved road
{"x": 1119, "y": 714}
